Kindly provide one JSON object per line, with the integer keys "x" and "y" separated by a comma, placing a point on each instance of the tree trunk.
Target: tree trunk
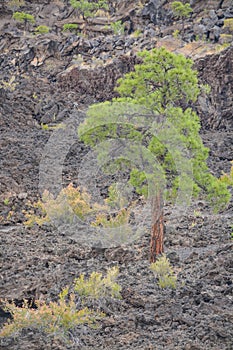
{"x": 157, "y": 230}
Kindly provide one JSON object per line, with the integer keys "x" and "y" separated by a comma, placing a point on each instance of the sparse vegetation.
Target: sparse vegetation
{"x": 61, "y": 317}
{"x": 47, "y": 127}
{"x": 70, "y": 27}
{"x": 14, "y": 4}
{"x": 88, "y": 8}
{"x": 181, "y": 11}
{"x": 163, "y": 270}
{"x": 23, "y": 17}
{"x": 6, "y": 201}
{"x": 176, "y": 34}
{"x": 55, "y": 318}
{"x": 117, "y": 197}
{"x": 137, "y": 33}
{"x": 97, "y": 286}
{"x": 53, "y": 78}
{"x": 226, "y": 38}
{"x": 228, "y": 23}
{"x": 228, "y": 178}
{"x": 72, "y": 202}
{"x": 112, "y": 221}
{"x": 9, "y": 85}
{"x": 117, "y": 28}
{"x": 69, "y": 203}
{"x": 42, "y": 29}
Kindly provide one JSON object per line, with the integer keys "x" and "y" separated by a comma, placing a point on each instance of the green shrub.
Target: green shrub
{"x": 89, "y": 8}
{"x": 56, "y": 318}
{"x": 110, "y": 221}
{"x": 228, "y": 23}
{"x": 117, "y": 28}
{"x": 6, "y": 201}
{"x": 42, "y": 29}
{"x": 59, "y": 318}
{"x": 176, "y": 34}
{"x": 164, "y": 272}
{"x": 226, "y": 38}
{"x": 137, "y": 33}
{"x": 228, "y": 178}
{"x": 181, "y": 10}
{"x": 71, "y": 27}
{"x": 97, "y": 286}
{"x": 69, "y": 203}
{"x": 23, "y": 17}
{"x": 117, "y": 196}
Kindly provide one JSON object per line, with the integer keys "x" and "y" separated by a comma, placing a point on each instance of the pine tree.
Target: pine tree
{"x": 181, "y": 11}
{"x": 87, "y": 8}
{"x": 23, "y": 17}
{"x": 154, "y": 111}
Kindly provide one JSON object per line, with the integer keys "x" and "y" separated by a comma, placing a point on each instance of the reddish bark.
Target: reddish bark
{"x": 157, "y": 230}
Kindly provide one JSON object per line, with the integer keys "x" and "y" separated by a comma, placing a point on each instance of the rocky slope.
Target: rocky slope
{"x": 45, "y": 80}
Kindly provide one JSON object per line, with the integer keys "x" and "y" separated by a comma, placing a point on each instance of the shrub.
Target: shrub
{"x": 137, "y": 33}
{"x": 88, "y": 8}
{"x": 176, "y": 34}
{"x": 16, "y": 3}
{"x": 97, "y": 286}
{"x": 6, "y": 201}
{"x": 228, "y": 178}
{"x": 110, "y": 221}
{"x": 181, "y": 10}
{"x": 69, "y": 203}
{"x": 164, "y": 272}
{"x": 23, "y": 17}
{"x": 117, "y": 28}
{"x": 71, "y": 27}
{"x": 228, "y": 23}
{"x": 56, "y": 318}
{"x": 36, "y": 215}
{"x": 42, "y": 29}
{"x": 226, "y": 38}
{"x": 8, "y": 85}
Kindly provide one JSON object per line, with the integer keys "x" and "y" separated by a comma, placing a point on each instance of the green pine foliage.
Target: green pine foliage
{"x": 117, "y": 28}
{"x": 88, "y": 8}
{"x": 70, "y": 27}
{"x": 23, "y": 17}
{"x": 148, "y": 111}
{"x": 164, "y": 272}
{"x": 181, "y": 10}
{"x": 163, "y": 80}
{"x": 42, "y": 29}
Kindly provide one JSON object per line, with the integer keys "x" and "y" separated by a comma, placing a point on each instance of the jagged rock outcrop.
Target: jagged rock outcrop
{"x": 217, "y": 110}
{"x": 96, "y": 84}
